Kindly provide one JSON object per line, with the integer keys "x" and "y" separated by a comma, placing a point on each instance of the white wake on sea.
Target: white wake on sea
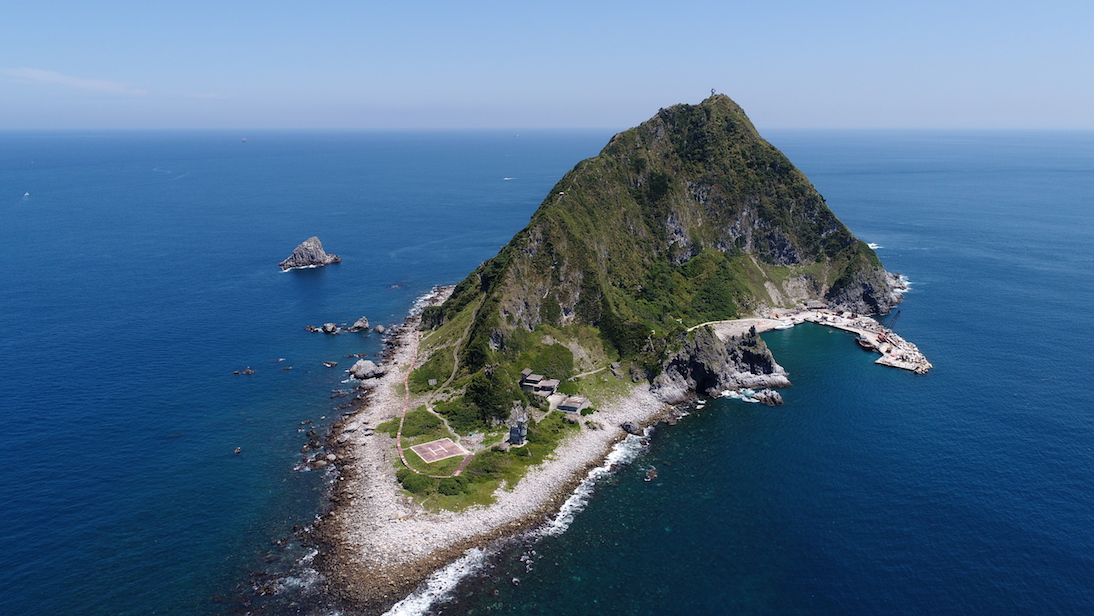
{"x": 439, "y": 585}
{"x": 623, "y": 452}
{"x": 743, "y": 394}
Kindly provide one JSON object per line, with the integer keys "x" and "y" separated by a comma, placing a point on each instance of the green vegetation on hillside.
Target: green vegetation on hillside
{"x": 688, "y": 218}
{"x": 487, "y": 470}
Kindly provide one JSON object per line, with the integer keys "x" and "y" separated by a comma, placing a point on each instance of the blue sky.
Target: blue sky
{"x": 470, "y": 64}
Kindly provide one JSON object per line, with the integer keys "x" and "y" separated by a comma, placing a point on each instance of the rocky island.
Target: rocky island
{"x": 309, "y": 254}
{"x": 642, "y": 280}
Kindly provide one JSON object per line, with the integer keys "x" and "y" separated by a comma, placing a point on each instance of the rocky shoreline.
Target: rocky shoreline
{"x": 377, "y": 546}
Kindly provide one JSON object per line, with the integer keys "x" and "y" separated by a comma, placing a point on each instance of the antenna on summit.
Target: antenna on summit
{"x": 712, "y": 92}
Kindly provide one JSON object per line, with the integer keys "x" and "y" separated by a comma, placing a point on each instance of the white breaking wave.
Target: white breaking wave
{"x": 874, "y": 246}
{"x": 307, "y": 580}
{"x": 622, "y": 453}
{"x": 424, "y": 300}
{"x": 743, "y": 394}
{"x": 439, "y": 585}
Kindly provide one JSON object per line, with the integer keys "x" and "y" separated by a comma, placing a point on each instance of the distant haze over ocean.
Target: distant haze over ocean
{"x": 141, "y": 270}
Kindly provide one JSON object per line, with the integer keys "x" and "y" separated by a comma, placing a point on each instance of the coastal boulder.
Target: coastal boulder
{"x": 365, "y": 369}
{"x": 360, "y": 325}
{"x": 309, "y": 253}
{"x": 330, "y": 328}
{"x": 379, "y": 329}
{"x": 770, "y": 397}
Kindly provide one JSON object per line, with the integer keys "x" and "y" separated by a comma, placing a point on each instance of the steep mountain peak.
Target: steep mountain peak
{"x": 687, "y": 218}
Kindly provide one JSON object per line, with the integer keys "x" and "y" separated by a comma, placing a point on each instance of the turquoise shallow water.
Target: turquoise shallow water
{"x": 141, "y": 271}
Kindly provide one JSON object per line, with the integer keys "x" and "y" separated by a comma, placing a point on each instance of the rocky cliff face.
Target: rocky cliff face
{"x": 687, "y": 218}
{"x": 866, "y": 291}
{"x": 707, "y": 365}
{"x": 309, "y": 254}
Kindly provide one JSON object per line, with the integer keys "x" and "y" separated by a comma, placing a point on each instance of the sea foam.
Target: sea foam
{"x": 439, "y": 585}
{"x": 743, "y": 395}
{"x": 623, "y": 452}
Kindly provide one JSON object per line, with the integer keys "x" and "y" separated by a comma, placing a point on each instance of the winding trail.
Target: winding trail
{"x": 585, "y": 374}
{"x": 402, "y": 420}
{"x": 406, "y": 404}
{"x": 406, "y": 398}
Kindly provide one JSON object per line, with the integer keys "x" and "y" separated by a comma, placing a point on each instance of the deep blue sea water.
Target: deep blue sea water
{"x": 141, "y": 271}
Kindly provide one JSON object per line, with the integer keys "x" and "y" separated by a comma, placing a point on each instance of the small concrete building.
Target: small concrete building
{"x": 537, "y": 383}
{"x": 573, "y": 404}
{"x": 547, "y": 387}
{"x": 530, "y": 382}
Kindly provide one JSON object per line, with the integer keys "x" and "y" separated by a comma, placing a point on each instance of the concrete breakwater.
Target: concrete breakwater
{"x": 895, "y": 351}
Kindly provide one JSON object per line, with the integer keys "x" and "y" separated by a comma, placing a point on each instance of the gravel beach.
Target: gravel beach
{"x": 381, "y": 545}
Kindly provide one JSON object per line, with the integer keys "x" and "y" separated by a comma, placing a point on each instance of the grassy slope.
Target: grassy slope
{"x": 684, "y": 219}
{"x": 689, "y": 217}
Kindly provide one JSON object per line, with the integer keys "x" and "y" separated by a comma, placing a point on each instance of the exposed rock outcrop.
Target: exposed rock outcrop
{"x": 360, "y": 325}
{"x": 770, "y": 397}
{"x": 365, "y": 369}
{"x": 707, "y": 365}
{"x": 309, "y": 254}
{"x": 866, "y": 291}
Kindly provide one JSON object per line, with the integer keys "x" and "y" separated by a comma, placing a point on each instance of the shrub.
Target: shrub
{"x": 415, "y": 483}
{"x": 451, "y": 486}
{"x": 419, "y": 422}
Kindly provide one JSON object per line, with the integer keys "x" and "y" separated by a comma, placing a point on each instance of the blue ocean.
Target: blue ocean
{"x": 140, "y": 272}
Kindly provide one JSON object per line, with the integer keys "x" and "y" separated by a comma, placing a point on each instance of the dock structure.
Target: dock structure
{"x": 895, "y": 351}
